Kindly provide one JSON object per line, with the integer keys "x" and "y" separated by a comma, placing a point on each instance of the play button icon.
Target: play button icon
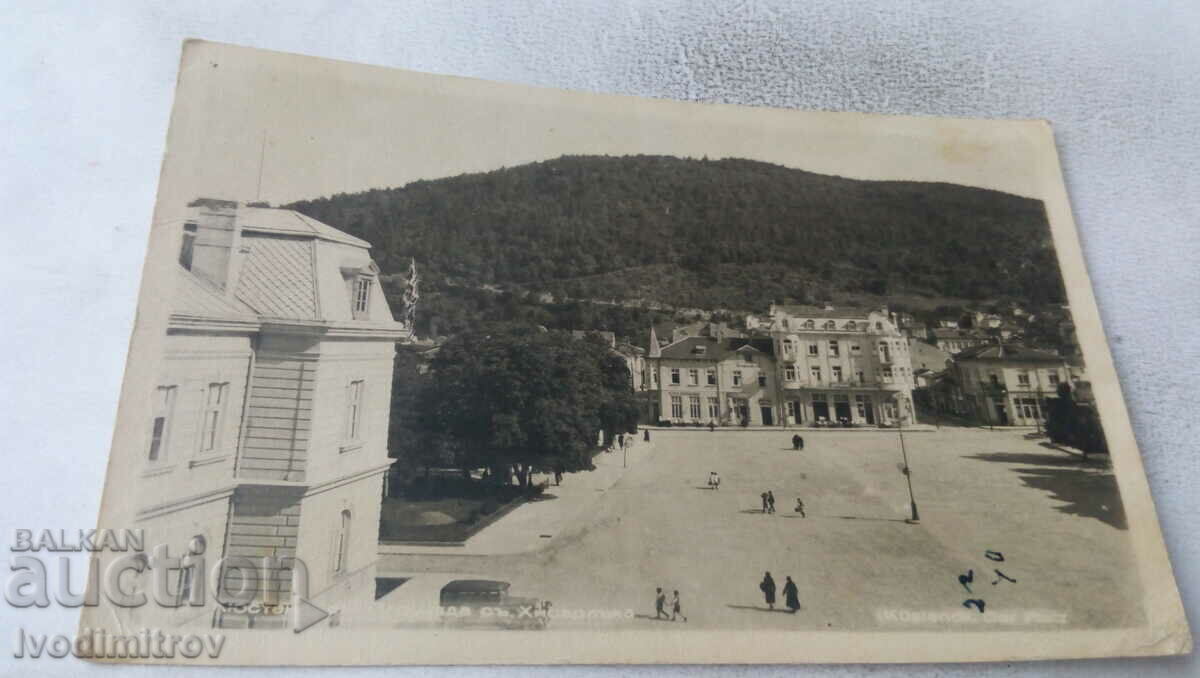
{"x": 307, "y": 614}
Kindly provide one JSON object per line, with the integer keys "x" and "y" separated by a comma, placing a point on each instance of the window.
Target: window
{"x": 188, "y": 248}
{"x": 830, "y": 325}
{"x": 994, "y": 379}
{"x": 654, "y": 377}
{"x": 694, "y": 409}
{"x": 714, "y": 408}
{"x": 1052, "y": 378}
{"x": 836, "y": 373}
{"x": 676, "y": 407}
{"x": 789, "y": 346}
{"x": 675, "y": 375}
{"x": 354, "y": 396}
{"x": 164, "y": 402}
{"x": 747, "y": 358}
{"x": 1028, "y": 408}
{"x": 887, "y": 372}
{"x": 341, "y": 546}
{"x": 214, "y": 408}
{"x": 834, "y": 349}
{"x": 855, "y": 349}
{"x": 789, "y": 373}
{"x": 851, "y": 325}
{"x": 878, "y": 325}
{"x": 737, "y": 377}
{"x": 813, "y": 349}
{"x": 885, "y": 353}
{"x": 694, "y": 377}
{"x": 711, "y": 376}
{"x": 762, "y": 381}
{"x": 1023, "y": 378}
{"x": 815, "y": 371}
{"x": 809, "y": 325}
{"x": 362, "y": 296}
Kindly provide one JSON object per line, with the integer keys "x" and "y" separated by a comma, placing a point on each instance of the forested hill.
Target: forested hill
{"x": 708, "y": 233}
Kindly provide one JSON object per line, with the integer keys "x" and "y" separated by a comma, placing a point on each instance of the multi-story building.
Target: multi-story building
{"x": 267, "y": 427}
{"x": 703, "y": 380}
{"x": 841, "y": 366}
{"x": 1006, "y": 384}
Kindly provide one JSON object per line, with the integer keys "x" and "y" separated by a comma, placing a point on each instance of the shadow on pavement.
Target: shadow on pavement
{"x": 757, "y": 608}
{"x": 651, "y": 617}
{"x": 878, "y": 520}
{"x": 758, "y": 511}
{"x": 1087, "y": 490}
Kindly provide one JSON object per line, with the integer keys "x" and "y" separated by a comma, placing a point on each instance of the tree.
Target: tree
{"x": 513, "y": 397}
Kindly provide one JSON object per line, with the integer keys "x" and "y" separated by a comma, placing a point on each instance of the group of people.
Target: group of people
{"x": 791, "y": 595}
{"x": 660, "y": 606}
{"x": 797, "y": 442}
{"x": 768, "y": 502}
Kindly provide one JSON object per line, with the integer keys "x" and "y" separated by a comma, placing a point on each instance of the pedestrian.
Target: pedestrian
{"x": 711, "y": 479}
{"x": 800, "y": 508}
{"x": 767, "y": 586}
{"x": 791, "y": 596}
{"x": 796, "y": 441}
{"x": 621, "y": 440}
{"x": 801, "y": 439}
{"x": 660, "y": 604}
{"x": 770, "y": 502}
{"x": 716, "y": 480}
{"x": 676, "y": 608}
{"x": 646, "y": 435}
{"x": 763, "y": 496}
{"x": 558, "y": 471}
{"x": 711, "y": 426}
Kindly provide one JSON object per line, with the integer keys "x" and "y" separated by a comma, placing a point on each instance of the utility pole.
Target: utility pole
{"x": 916, "y": 517}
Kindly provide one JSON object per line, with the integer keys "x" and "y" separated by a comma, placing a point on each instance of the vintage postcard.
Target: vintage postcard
{"x": 430, "y": 370}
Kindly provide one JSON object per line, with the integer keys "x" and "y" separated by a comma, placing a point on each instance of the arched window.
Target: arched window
{"x": 341, "y": 552}
{"x": 851, "y": 325}
{"x": 809, "y": 325}
{"x": 830, "y": 325}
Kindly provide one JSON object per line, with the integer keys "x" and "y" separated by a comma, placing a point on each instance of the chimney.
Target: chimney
{"x": 208, "y": 236}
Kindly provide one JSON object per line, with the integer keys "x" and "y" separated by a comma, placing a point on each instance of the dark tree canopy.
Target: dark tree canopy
{"x": 515, "y": 396}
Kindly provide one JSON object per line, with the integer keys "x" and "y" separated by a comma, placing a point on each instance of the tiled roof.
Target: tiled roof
{"x": 289, "y": 222}
{"x": 196, "y": 297}
{"x": 277, "y": 278}
{"x": 707, "y": 348}
{"x": 1011, "y": 352}
{"x": 956, "y": 333}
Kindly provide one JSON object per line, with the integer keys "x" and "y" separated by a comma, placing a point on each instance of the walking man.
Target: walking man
{"x": 800, "y": 440}
{"x": 770, "y": 501}
{"x": 660, "y": 604}
{"x": 800, "y": 508}
{"x": 791, "y": 596}
{"x": 763, "y": 496}
{"x": 676, "y": 608}
{"x": 767, "y": 586}
{"x": 796, "y": 441}
{"x": 716, "y": 480}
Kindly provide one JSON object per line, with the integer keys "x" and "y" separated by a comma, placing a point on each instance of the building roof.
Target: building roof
{"x": 1008, "y": 353}
{"x": 957, "y": 333}
{"x": 806, "y": 311}
{"x": 195, "y": 296}
{"x": 290, "y": 222}
{"x": 710, "y": 349}
{"x": 277, "y": 278}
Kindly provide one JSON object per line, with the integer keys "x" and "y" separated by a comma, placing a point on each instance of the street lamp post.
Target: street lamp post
{"x": 912, "y": 502}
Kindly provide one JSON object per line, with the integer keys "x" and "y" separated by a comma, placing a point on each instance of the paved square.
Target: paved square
{"x": 983, "y": 495}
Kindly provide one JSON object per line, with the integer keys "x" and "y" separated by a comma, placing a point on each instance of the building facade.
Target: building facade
{"x": 847, "y": 366}
{"x": 1006, "y": 384}
{"x": 705, "y": 380}
{"x": 953, "y": 340}
{"x": 268, "y": 423}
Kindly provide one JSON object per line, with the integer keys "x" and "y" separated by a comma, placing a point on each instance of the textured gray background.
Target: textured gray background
{"x": 86, "y": 91}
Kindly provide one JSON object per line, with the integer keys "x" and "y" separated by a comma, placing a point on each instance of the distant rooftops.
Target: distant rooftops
{"x": 808, "y": 311}
{"x": 1008, "y": 352}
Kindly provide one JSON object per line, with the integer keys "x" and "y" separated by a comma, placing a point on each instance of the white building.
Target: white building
{"x": 268, "y": 435}
{"x": 841, "y": 365}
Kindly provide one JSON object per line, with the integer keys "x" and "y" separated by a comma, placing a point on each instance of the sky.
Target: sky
{"x": 254, "y": 125}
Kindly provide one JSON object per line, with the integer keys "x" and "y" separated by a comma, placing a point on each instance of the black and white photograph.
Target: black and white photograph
{"x": 538, "y": 376}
